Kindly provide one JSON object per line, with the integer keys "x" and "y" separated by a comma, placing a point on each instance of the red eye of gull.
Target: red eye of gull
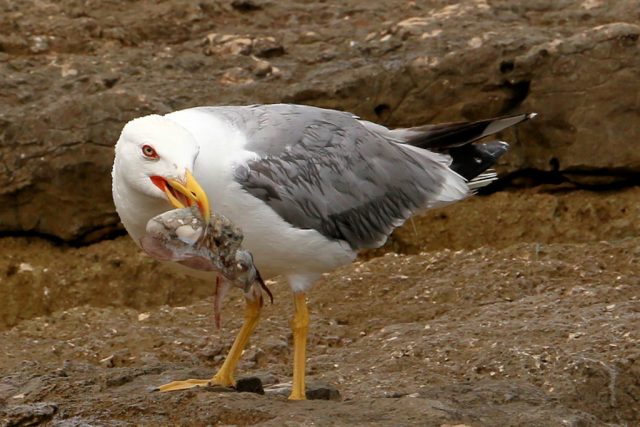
{"x": 149, "y": 152}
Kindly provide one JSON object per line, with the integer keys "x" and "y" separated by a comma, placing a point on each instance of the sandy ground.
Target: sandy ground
{"x": 485, "y": 318}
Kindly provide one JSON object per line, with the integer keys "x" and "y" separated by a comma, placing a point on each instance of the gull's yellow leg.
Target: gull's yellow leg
{"x": 300, "y": 326}
{"x": 224, "y": 377}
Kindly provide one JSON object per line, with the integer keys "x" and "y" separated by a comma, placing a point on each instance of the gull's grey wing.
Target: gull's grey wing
{"x": 324, "y": 170}
{"x": 270, "y": 129}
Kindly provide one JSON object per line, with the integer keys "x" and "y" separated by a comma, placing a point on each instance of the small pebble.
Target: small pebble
{"x": 108, "y": 362}
{"x": 39, "y": 44}
{"x": 250, "y": 385}
{"x": 314, "y": 391}
{"x": 245, "y": 5}
{"x": 267, "y": 47}
{"x": 322, "y": 391}
{"x": 25, "y": 268}
{"x": 261, "y": 68}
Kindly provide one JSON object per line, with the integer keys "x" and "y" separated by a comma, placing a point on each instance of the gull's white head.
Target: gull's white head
{"x": 154, "y": 159}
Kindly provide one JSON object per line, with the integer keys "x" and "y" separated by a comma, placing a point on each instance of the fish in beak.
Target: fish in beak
{"x": 185, "y": 194}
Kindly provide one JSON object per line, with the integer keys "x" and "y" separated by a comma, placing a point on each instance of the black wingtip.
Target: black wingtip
{"x": 471, "y": 160}
{"x": 446, "y": 136}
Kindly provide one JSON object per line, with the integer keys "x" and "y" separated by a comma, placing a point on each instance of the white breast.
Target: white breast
{"x": 277, "y": 246}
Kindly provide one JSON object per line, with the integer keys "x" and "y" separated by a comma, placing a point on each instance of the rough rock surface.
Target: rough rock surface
{"x": 75, "y": 71}
{"x": 512, "y": 334}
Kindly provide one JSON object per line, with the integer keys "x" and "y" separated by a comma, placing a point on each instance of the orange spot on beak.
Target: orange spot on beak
{"x": 182, "y": 195}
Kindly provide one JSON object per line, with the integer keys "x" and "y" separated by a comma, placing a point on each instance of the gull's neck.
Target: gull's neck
{"x": 134, "y": 208}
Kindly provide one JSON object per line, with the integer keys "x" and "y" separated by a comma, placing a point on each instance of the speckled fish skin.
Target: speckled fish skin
{"x": 181, "y": 235}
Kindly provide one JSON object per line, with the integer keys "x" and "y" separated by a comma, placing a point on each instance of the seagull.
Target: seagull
{"x": 308, "y": 187}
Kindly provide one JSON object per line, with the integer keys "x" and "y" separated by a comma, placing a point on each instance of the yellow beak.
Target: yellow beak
{"x": 185, "y": 194}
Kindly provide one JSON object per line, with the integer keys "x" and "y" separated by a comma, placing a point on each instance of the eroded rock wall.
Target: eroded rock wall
{"x": 73, "y": 73}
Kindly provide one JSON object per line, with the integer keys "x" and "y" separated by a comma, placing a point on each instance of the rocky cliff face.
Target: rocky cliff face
{"x": 74, "y": 72}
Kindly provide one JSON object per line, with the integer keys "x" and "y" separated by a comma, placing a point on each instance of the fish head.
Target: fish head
{"x": 245, "y": 271}
{"x": 248, "y": 276}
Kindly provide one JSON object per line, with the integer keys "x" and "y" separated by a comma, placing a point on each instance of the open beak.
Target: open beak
{"x": 181, "y": 195}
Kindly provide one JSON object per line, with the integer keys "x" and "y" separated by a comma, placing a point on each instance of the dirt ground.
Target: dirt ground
{"x": 495, "y": 314}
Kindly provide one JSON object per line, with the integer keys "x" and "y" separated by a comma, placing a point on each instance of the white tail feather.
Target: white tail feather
{"x": 484, "y": 179}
